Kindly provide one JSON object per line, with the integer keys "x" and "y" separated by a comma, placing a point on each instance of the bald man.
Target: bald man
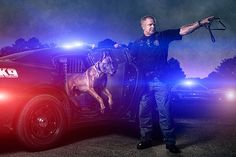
{"x": 150, "y": 53}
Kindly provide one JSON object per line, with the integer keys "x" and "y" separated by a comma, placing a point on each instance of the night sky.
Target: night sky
{"x": 64, "y": 21}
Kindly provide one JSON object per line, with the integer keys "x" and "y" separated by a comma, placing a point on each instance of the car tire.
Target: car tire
{"x": 41, "y": 122}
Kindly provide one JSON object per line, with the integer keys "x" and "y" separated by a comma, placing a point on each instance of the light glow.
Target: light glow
{"x": 77, "y": 44}
{"x": 188, "y": 83}
{"x": 73, "y": 45}
{"x": 3, "y": 96}
{"x": 230, "y": 95}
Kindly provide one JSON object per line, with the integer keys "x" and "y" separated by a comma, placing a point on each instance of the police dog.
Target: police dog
{"x": 93, "y": 77}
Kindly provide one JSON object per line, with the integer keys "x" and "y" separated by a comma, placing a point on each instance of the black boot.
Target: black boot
{"x": 173, "y": 149}
{"x": 144, "y": 144}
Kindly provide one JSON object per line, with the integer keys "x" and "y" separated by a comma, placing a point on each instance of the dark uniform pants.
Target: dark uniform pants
{"x": 158, "y": 92}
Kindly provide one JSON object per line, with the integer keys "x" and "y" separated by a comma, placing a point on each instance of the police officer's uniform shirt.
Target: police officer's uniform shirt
{"x": 151, "y": 52}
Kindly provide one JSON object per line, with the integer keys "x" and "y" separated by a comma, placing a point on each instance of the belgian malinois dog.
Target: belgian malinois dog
{"x": 95, "y": 75}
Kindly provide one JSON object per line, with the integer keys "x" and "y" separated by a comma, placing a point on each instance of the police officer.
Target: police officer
{"x": 150, "y": 53}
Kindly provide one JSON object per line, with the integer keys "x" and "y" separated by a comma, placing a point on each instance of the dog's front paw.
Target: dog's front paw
{"x": 102, "y": 109}
{"x": 110, "y": 102}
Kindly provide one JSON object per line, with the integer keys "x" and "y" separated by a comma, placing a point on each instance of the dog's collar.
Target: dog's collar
{"x": 98, "y": 68}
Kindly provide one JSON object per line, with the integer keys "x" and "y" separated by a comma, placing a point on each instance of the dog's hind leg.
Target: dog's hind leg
{"x": 109, "y": 96}
{"x": 93, "y": 93}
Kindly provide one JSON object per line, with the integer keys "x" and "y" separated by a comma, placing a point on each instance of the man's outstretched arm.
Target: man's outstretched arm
{"x": 189, "y": 28}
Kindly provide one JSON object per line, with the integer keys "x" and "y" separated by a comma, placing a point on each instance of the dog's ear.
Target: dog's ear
{"x": 105, "y": 54}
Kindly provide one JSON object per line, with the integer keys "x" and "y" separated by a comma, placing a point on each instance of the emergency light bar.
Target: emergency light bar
{"x": 77, "y": 44}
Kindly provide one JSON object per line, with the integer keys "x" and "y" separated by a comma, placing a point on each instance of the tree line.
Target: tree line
{"x": 22, "y": 45}
{"x": 224, "y": 75}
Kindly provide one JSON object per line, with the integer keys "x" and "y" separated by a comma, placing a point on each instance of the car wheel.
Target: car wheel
{"x": 41, "y": 122}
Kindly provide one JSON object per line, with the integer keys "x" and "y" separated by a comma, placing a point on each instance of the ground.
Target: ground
{"x": 202, "y": 129}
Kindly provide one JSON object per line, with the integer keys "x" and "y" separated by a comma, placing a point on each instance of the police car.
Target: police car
{"x": 35, "y": 105}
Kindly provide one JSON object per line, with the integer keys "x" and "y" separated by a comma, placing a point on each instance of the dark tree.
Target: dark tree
{"x": 20, "y": 45}
{"x": 175, "y": 71}
{"x": 34, "y": 43}
{"x": 7, "y": 50}
{"x": 225, "y": 74}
